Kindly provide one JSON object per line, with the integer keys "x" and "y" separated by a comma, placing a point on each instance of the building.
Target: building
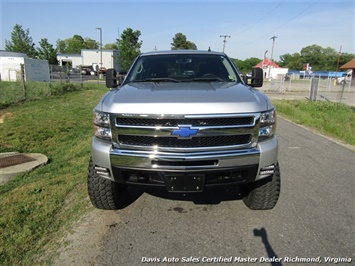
{"x": 271, "y": 68}
{"x": 90, "y": 57}
{"x": 33, "y": 69}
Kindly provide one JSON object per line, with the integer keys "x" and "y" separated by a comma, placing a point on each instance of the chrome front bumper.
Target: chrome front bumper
{"x": 131, "y": 166}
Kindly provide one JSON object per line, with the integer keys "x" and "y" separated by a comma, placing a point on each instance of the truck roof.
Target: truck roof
{"x": 182, "y": 52}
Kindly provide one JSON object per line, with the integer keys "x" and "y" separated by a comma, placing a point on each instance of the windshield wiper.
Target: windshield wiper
{"x": 157, "y": 80}
{"x": 208, "y": 79}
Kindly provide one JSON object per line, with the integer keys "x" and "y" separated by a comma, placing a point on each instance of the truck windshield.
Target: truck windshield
{"x": 183, "y": 68}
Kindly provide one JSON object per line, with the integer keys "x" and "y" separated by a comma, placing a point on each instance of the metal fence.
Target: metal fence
{"x": 62, "y": 80}
{"x": 66, "y": 74}
{"x": 314, "y": 88}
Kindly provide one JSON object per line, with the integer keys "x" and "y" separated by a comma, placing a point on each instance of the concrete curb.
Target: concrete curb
{"x": 7, "y": 173}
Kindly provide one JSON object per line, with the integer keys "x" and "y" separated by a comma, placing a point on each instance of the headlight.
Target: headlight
{"x": 267, "y": 124}
{"x": 102, "y": 125}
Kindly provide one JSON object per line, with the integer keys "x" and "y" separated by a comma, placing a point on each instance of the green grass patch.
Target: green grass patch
{"x": 15, "y": 92}
{"x": 332, "y": 119}
{"x": 36, "y": 205}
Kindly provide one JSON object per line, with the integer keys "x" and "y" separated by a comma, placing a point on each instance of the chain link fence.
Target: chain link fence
{"x": 62, "y": 80}
{"x": 67, "y": 74}
{"x": 314, "y": 88}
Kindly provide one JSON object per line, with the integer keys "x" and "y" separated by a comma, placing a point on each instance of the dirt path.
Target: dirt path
{"x": 83, "y": 244}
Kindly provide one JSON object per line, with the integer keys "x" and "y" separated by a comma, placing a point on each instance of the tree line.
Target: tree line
{"x": 129, "y": 44}
{"x": 319, "y": 58}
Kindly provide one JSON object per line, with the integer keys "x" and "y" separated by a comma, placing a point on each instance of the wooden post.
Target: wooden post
{"x": 23, "y": 80}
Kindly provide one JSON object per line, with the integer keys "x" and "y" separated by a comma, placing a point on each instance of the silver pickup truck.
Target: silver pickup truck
{"x": 184, "y": 121}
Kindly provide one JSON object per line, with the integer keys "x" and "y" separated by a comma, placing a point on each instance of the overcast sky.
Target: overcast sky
{"x": 251, "y": 24}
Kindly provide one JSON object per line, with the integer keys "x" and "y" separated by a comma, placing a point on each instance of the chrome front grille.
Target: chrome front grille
{"x": 195, "y": 122}
{"x": 217, "y": 132}
{"x": 195, "y": 142}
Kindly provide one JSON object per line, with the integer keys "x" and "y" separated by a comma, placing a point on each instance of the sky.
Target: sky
{"x": 250, "y": 24}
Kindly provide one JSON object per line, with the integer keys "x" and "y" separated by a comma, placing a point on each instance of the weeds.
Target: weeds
{"x": 333, "y": 119}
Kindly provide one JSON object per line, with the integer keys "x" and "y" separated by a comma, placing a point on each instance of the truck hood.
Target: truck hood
{"x": 184, "y": 98}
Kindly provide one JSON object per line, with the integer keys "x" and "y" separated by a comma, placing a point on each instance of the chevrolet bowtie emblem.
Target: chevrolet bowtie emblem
{"x": 184, "y": 132}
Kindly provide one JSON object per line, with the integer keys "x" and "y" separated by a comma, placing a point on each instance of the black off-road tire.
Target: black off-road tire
{"x": 263, "y": 194}
{"x": 105, "y": 194}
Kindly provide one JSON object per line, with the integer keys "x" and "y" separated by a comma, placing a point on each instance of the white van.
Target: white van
{"x": 346, "y": 78}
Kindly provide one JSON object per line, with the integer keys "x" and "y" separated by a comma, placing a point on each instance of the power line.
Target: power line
{"x": 284, "y": 24}
{"x": 265, "y": 16}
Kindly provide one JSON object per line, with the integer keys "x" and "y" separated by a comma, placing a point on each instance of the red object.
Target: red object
{"x": 266, "y": 63}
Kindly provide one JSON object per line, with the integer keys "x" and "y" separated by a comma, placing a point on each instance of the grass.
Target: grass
{"x": 332, "y": 119}
{"x": 36, "y": 205}
{"x": 15, "y": 92}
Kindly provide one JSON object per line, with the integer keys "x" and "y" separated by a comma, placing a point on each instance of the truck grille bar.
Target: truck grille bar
{"x": 195, "y": 122}
{"x": 196, "y": 142}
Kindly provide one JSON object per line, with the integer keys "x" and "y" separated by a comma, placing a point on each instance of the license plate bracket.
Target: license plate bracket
{"x": 185, "y": 182}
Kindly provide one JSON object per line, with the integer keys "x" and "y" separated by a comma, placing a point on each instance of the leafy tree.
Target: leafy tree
{"x": 180, "y": 42}
{"x": 246, "y": 65}
{"x": 47, "y": 52}
{"x": 285, "y": 60}
{"x": 293, "y": 61}
{"x": 74, "y": 45}
{"x": 21, "y": 42}
{"x": 90, "y": 44}
{"x": 110, "y": 46}
{"x": 344, "y": 58}
{"x": 129, "y": 47}
{"x": 317, "y": 57}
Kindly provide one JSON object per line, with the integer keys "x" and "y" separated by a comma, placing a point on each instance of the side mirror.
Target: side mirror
{"x": 256, "y": 79}
{"x": 111, "y": 78}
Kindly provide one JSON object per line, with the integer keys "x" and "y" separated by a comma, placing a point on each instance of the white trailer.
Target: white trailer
{"x": 90, "y": 57}
{"x": 73, "y": 60}
{"x": 93, "y": 57}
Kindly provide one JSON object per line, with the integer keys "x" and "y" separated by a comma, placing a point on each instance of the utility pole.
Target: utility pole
{"x": 224, "y": 41}
{"x": 100, "y": 29}
{"x": 272, "y": 53}
{"x": 339, "y": 58}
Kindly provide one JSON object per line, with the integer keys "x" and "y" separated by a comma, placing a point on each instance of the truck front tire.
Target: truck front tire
{"x": 263, "y": 194}
{"x": 104, "y": 193}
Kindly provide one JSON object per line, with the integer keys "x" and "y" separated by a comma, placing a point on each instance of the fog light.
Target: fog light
{"x": 102, "y": 172}
{"x": 267, "y": 170}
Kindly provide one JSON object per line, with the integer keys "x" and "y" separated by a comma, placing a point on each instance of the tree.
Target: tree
{"x": 319, "y": 58}
{"x": 293, "y": 61}
{"x": 344, "y": 58}
{"x": 180, "y": 42}
{"x": 47, "y": 52}
{"x": 246, "y": 65}
{"x": 90, "y": 44}
{"x": 21, "y": 42}
{"x": 129, "y": 47}
{"x": 74, "y": 45}
{"x": 110, "y": 46}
